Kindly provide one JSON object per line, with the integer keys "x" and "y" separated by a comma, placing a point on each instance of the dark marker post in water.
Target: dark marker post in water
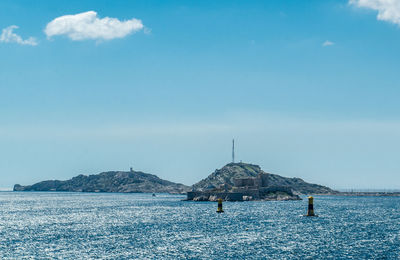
{"x": 220, "y": 210}
{"x": 310, "y": 212}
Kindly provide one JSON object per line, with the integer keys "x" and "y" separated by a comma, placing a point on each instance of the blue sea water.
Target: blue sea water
{"x": 40, "y": 225}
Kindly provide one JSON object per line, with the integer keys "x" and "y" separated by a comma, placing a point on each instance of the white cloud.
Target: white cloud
{"x": 8, "y": 36}
{"x": 328, "y": 43}
{"x": 388, "y": 10}
{"x": 85, "y": 26}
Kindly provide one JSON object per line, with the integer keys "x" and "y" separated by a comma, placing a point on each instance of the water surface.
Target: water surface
{"x": 45, "y": 225}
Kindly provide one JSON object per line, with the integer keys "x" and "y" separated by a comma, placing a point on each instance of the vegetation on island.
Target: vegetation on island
{"x": 113, "y": 181}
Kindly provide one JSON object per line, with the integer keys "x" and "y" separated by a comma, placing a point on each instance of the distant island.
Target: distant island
{"x": 243, "y": 181}
{"x": 113, "y": 181}
{"x": 233, "y": 182}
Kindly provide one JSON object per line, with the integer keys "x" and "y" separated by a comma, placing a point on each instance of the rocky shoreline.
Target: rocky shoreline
{"x": 278, "y": 196}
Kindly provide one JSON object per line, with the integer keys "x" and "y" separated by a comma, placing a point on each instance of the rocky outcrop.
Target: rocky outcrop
{"x": 234, "y": 174}
{"x": 114, "y": 181}
{"x": 243, "y": 181}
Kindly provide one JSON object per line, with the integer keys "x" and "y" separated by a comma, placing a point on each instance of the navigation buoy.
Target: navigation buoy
{"x": 220, "y": 210}
{"x": 310, "y": 212}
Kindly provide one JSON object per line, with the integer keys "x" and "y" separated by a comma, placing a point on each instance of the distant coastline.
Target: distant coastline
{"x": 235, "y": 181}
{"x": 370, "y": 193}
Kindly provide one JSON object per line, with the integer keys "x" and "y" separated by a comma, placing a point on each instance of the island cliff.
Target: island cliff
{"x": 114, "y": 181}
{"x": 242, "y": 181}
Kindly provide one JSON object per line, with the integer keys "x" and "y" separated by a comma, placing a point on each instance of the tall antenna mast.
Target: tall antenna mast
{"x": 233, "y": 150}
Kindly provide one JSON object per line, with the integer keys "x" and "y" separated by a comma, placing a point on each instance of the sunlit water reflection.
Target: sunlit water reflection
{"x": 127, "y": 226}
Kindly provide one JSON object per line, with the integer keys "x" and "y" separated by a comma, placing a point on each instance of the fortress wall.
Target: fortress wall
{"x": 243, "y": 182}
{"x": 276, "y": 189}
{"x": 230, "y": 196}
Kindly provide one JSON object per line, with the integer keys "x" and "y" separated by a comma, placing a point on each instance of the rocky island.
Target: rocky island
{"x": 242, "y": 181}
{"x": 113, "y": 181}
{"x": 233, "y": 182}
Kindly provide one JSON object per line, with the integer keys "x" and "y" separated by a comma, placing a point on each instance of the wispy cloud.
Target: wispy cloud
{"x": 327, "y": 43}
{"x": 87, "y": 26}
{"x": 388, "y": 10}
{"x": 8, "y": 36}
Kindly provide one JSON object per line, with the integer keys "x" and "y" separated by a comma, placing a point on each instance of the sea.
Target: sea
{"x": 58, "y": 225}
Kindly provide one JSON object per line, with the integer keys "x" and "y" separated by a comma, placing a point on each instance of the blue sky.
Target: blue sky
{"x": 307, "y": 88}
